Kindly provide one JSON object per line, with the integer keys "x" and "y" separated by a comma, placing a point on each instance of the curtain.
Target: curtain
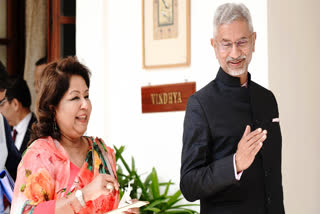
{"x": 36, "y": 39}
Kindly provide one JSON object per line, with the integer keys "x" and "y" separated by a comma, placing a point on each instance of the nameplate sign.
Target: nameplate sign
{"x": 170, "y": 97}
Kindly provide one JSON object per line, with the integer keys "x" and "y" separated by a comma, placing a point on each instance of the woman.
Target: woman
{"x": 62, "y": 171}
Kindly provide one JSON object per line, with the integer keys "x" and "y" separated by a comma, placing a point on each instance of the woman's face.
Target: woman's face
{"x": 74, "y": 109}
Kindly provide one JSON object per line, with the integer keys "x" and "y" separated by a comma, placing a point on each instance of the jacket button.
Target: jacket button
{"x": 267, "y": 172}
{"x": 269, "y": 200}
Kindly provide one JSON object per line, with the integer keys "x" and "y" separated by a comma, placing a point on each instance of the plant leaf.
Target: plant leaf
{"x": 174, "y": 199}
{"x": 148, "y": 180}
{"x": 155, "y": 184}
{"x": 165, "y": 183}
{"x": 150, "y": 188}
{"x": 118, "y": 151}
{"x": 185, "y": 205}
{"x": 157, "y": 202}
{"x": 143, "y": 188}
{"x": 167, "y": 188}
{"x": 181, "y": 211}
{"x": 122, "y": 160}
{"x": 133, "y": 167}
{"x": 156, "y": 210}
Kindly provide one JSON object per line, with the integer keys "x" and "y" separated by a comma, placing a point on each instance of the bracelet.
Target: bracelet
{"x": 79, "y": 196}
{"x": 70, "y": 204}
{"x": 74, "y": 211}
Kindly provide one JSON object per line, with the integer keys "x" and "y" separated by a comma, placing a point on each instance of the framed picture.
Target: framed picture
{"x": 165, "y": 33}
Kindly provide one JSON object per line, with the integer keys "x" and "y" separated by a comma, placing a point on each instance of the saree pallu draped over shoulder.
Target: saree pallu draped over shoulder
{"x": 44, "y": 173}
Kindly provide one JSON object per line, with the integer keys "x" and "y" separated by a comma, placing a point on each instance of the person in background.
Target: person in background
{"x": 40, "y": 65}
{"x": 10, "y": 156}
{"x": 17, "y": 111}
{"x": 231, "y": 156}
{"x": 63, "y": 171}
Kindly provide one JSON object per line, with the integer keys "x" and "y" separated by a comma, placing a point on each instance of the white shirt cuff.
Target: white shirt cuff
{"x": 236, "y": 175}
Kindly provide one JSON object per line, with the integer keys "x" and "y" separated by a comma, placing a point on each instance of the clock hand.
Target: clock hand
{"x": 165, "y": 4}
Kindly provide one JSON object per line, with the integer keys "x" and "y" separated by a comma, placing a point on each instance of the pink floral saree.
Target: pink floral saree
{"x": 44, "y": 171}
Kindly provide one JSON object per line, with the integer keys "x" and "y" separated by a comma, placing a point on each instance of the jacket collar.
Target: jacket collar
{"x": 229, "y": 80}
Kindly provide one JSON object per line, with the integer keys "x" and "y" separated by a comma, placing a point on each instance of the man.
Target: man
{"x": 40, "y": 65}
{"x": 231, "y": 156}
{"x": 17, "y": 111}
{"x": 10, "y": 156}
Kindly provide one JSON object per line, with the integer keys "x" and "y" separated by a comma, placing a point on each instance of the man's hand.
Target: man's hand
{"x": 248, "y": 147}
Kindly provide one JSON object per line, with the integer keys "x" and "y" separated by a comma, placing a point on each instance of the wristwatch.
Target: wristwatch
{"x": 79, "y": 196}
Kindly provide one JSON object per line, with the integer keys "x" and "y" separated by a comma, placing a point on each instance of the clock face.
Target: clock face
{"x": 165, "y": 12}
{"x": 165, "y": 19}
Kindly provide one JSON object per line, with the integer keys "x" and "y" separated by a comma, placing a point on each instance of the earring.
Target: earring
{"x": 55, "y": 127}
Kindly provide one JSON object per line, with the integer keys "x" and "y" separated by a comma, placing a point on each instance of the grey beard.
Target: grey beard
{"x": 237, "y": 73}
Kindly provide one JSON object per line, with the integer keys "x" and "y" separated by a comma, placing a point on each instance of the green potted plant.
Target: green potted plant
{"x": 160, "y": 201}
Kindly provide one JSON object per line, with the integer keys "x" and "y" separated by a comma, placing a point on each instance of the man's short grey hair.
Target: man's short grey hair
{"x": 229, "y": 12}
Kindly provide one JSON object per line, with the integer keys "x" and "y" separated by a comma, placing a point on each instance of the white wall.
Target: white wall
{"x": 109, "y": 41}
{"x": 294, "y": 54}
{"x": 90, "y": 40}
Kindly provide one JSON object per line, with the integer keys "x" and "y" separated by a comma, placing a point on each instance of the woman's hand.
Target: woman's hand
{"x": 99, "y": 186}
{"x": 132, "y": 210}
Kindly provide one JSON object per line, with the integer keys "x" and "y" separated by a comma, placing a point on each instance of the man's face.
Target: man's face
{"x": 5, "y": 109}
{"x": 9, "y": 109}
{"x": 233, "y": 46}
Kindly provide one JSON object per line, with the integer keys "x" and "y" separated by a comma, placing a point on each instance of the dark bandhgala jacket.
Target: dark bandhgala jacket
{"x": 216, "y": 117}
{"x": 14, "y": 156}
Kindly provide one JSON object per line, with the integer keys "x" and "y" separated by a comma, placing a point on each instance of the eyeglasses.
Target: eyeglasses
{"x": 242, "y": 44}
{"x": 3, "y": 101}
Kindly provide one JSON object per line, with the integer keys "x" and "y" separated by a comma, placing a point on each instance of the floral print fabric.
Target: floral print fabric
{"x": 44, "y": 171}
